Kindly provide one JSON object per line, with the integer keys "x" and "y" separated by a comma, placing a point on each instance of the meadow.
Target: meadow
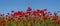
{"x": 30, "y": 18}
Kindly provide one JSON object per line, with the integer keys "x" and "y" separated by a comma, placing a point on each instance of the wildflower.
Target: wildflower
{"x": 13, "y": 15}
{"x": 55, "y": 13}
{"x": 29, "y": 12}
{"x": 3, "y": 21}
{"x": 45, "y": 9}
{"x": 39, "y": 16}
{"x": 29, "y": 9}
{"x": 58, "y": 22}
{"x": 16, "y": 13}
{"x": 12, "y": 18}
{"x": 38, "y": 10}
{"x": 8, "y": 18}
{"x": 21, "y": 13}
{"x": 26, "y": 16}
{"x": 34, "y": 13}
{"x": 42, "y": 11}
{"x": 12, "y": 11}
{"x": 54, "y": 18}
{"x": 45, "y": 17}
{"x": 50, "y": 13}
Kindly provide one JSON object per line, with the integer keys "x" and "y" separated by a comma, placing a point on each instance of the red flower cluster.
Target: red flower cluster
{"x": 31, "y": 16}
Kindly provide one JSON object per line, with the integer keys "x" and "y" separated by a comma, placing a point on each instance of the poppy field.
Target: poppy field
{"x": 30, "y": 18}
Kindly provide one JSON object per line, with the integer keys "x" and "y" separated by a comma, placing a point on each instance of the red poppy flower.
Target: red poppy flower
{"x": 45, "y": 18}
{"x": 20, "y": 13}
{"x": 8, "y": 18}
{"x": 12, "y": 18}
{"x": 58, "y": 22}
{"x": 29, "y": 9}
{"x": 18, "y": 18}
{"x": 38, "y": 10}
{"x": 39, "y": 16}
{"x": 26, "y": 13}
{"x": 26, "y": 16}
{"x": 29, "y": 12}
{"x": 13, "y": 15}
{"x": 16, "y": 13}
{"x": 34, "y": 13}
{"x": 54, "y": 18}
{"x": 3, "y": 21}
{"x": 42, "y": 11}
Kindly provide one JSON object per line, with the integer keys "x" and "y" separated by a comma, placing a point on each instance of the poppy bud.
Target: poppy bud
{"x": 45, "y": 9}
{"x": 12, "y": 10}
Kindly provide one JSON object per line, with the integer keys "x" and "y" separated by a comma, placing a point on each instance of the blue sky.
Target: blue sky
{"x": 7, "y": 5}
